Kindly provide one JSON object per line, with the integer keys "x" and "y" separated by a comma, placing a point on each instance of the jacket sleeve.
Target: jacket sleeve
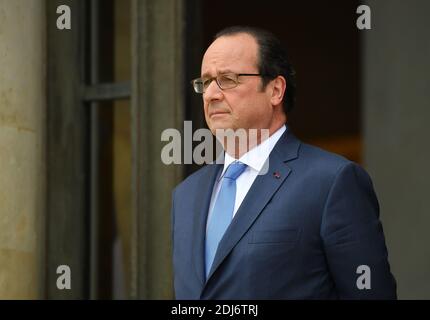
{"x": 353, "y": 238}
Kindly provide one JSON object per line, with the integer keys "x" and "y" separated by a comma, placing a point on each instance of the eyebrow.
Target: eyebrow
{"x": 207, "y": 74}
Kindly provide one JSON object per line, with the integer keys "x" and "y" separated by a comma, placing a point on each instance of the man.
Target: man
{"x": 306, "y": 229}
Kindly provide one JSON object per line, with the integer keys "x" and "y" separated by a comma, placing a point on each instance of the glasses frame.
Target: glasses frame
{"x": 237, "y": 75}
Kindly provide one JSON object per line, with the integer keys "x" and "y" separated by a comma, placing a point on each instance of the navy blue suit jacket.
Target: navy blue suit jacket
{"x": 299, "y": 234}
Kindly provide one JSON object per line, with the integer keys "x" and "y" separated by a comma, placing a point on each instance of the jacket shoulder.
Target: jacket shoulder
{"x": 317, "y": 158}
{"x": 193, "y": 178}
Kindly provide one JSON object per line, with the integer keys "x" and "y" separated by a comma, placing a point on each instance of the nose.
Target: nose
{"x": 213, "y": 92}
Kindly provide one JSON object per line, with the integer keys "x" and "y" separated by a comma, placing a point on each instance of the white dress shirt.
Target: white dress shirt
{"x": 255, "y": 160}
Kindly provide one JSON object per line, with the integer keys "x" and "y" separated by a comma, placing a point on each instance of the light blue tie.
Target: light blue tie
{"x": 222, "y": 213}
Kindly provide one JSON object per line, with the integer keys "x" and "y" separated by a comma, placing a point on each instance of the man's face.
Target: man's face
{"x": 245, "y": 106}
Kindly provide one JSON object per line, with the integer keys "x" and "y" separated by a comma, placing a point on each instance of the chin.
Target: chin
{"x": 222, "y": 126}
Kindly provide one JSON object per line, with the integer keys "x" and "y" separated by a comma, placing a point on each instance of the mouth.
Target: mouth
{"x": 217, "y": 113}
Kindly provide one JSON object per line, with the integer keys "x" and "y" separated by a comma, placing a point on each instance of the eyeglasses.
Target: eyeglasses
{"x": 224, "y": 81}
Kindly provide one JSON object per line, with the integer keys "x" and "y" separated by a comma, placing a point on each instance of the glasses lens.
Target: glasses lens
{"x": 198, "y": 85}
{"x": 227, "y": 81}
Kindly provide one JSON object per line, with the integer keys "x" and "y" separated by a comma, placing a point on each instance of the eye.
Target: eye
{"x": 206, "y": 83}
{"x": 227, "y": 80}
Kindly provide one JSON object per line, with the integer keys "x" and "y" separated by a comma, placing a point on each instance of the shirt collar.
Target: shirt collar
{"x": 256, "y": 157}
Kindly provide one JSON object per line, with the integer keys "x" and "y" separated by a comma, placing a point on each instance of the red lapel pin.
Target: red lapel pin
{"x": 276, "y": 174}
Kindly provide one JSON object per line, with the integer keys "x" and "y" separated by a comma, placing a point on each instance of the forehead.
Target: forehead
{"x": 237, "y": 53}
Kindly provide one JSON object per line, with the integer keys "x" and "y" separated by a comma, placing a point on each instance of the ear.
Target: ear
{"x": 279, "y": 85}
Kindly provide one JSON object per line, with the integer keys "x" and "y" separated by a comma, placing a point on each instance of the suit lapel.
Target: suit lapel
{"x": 205, "y": 186}
{"x": 260, "y": 193}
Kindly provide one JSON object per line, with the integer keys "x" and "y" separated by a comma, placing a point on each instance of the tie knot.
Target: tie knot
{"x": 234, "y": 170}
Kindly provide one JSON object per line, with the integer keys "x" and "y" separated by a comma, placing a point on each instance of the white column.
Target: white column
{"x": 22, "y": 147}
{"x": 397, "y": 131}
